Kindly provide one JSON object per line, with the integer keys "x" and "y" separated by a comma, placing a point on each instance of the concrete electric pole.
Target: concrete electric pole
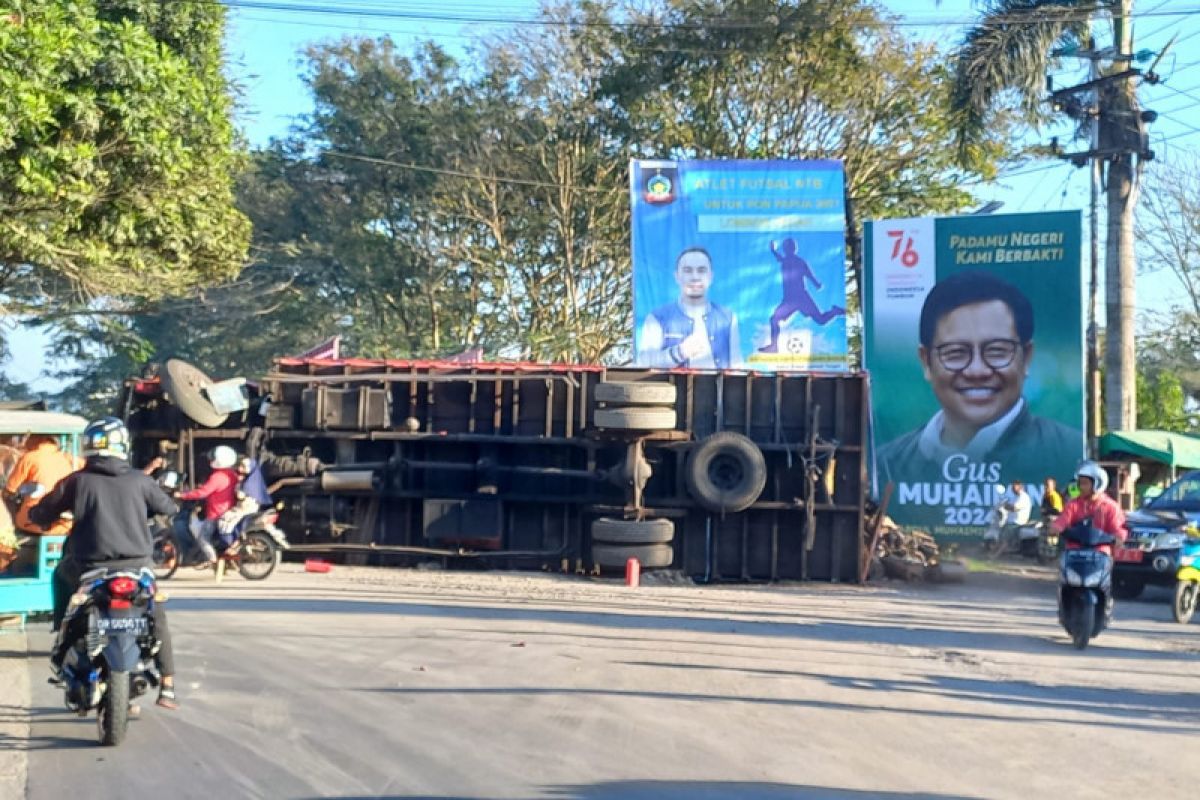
{"x": 1108, "y": 102}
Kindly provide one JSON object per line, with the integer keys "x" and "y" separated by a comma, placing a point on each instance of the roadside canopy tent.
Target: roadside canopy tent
{"x": 1176, "y": 450}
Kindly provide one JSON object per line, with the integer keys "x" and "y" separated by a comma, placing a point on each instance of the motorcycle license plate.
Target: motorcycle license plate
{"x": 1129, "y": 555}
{"x": 135, "y": 625}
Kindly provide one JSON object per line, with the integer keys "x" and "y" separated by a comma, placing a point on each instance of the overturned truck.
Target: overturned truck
{"x": 725, "y": 476}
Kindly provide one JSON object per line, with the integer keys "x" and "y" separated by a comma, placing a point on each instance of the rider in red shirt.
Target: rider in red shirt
{"x": 1092, "y": 502}
{"x": 219, "y": 493}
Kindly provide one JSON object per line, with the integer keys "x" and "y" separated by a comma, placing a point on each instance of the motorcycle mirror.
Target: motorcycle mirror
{"x": 30, "y": 489}
{"x": 170, "y": 480}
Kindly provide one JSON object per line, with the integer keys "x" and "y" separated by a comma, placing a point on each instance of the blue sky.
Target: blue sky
{"x": 264, "y": 53}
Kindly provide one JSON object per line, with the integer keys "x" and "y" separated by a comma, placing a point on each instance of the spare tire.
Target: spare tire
{"x": 185, "y": 385}
{"x": 633, "y": 531}
{"x": 635, "y": 419}
{"x": 650, "y": 394}
{"x": 650, "y": 556}
{"x": 725, "y": 472}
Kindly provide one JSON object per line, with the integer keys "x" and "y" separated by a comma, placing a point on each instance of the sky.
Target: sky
{"x": 265, "y": 42}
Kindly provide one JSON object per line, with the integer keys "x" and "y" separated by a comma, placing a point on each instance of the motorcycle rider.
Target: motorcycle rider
{"x": 110, "y": 503}
{"x": 1052, "y": 502}
{"x": 1012, "y": 512}
{"x": 219, "y": 494}
{"x": 1092, "y": 502}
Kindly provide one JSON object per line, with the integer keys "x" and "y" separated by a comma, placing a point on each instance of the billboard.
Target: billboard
{"x": 739, "y": 264}
{"x": 973, "y": 335}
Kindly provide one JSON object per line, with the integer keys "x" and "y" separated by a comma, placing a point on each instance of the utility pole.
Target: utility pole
{"x": 1117, "y": 118}
{"x": 1108, "y": 104}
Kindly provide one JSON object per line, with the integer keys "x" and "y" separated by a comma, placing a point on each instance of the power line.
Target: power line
{"x": 1178, "y": 121}
{"x": 1080, "y": 14}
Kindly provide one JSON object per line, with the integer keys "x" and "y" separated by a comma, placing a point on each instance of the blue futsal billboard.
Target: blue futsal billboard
{"x": 739, "y": 264}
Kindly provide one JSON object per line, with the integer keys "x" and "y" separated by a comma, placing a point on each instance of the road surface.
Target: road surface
{"x": 423, "y": 684}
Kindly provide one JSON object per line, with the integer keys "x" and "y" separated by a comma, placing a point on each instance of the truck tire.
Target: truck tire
{"x": 635, "y": 419}
{"x": 725, "y": 472}
{"x": 185, "y": 385}
{"x": 650, "y": 394}
{"x": 633, "y": 531}
{"x": 651, "y": 556}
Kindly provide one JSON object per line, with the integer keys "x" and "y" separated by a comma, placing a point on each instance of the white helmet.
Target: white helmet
{"x": 222, "y": 457}
{"x": 1090, "y": 469}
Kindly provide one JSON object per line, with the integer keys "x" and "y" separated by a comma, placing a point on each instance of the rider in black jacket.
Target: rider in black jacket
{"x": 111, "y": 503}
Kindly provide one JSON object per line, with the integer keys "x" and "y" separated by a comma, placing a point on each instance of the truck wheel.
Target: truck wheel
{"x": 726, "y": 472}
{"x": 650, "y": 394}
{"x": 1127, "y": 588}
{"x": 185, "y": 385}
{"x": 651, "y": 556}
{"x": 635, "y": 419}
{"x": 633, "y": 531}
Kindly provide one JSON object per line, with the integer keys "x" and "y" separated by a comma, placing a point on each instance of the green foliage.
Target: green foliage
{"x": 1162, "y": 404}
{"x": 1011, "y": 49}
{"x": 426, "y": 205}
{"x": 442, "y": 207}
{"x": 116, "y": 153}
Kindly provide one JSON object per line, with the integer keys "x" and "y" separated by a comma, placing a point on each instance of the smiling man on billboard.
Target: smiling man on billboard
{"x": 976, "y": 346}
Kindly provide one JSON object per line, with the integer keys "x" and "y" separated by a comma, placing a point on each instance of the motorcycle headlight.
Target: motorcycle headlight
{"x": 1073, "y": 577}
{"x": 1169, "y": 541}
{"x": 1094, "y": 578}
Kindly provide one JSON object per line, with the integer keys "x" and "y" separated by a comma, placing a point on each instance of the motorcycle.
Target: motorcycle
{"x": 1187, "y": 579}
{"x": 110, "y": 660}
{"x": 1003, "y": 537}
{"x": 252, "y": 549}
{"x": 1048, "y": 542}
{"x": 1085, "y": 583}
{"x": 250, "y": 542}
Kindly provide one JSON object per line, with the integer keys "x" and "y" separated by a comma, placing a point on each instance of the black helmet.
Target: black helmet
{"x": 106, "y": 437}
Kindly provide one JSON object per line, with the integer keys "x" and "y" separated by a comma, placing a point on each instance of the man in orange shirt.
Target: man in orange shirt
{"x": 45, "y": 464}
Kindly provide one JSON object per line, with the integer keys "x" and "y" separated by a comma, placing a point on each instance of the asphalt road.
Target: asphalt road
{"x": 412, "y": 684}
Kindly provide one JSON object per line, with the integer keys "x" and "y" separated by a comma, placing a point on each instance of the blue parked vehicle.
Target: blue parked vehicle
{"x": 1157, "y": 535}
{"x": 25, "y": 594}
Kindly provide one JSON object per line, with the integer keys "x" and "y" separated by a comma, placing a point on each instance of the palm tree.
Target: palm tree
{"x": 1010, "y": 49}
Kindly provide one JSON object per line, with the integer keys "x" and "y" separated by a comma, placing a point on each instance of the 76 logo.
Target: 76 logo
{"x": 903, "y": 250}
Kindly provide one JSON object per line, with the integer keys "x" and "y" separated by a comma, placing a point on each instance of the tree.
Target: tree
{"x": 425, "y": 206}
{"x": 815, "y": 79}
{"x": 117, "y": 153}
{"x": 1010, "y": 49}
{"x": 1162, "y": 404}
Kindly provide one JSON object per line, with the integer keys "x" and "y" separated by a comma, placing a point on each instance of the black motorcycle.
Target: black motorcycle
{"x": 253, "y": 548}
{"x": 110, "y": 661}
{"x": 1085, "y": 583}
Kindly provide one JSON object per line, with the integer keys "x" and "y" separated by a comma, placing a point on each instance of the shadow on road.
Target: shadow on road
{"x": 870, "y": 706}
{"x": 695, "y": 790}
{"x": 929, "y": 634}
{"x": 1127, "y": 703}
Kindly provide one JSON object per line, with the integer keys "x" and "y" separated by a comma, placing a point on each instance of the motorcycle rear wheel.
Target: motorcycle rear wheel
{"x": 113, "y": 718}
{"x": 257, "y": 556}
{"x": 1186, "y": 594}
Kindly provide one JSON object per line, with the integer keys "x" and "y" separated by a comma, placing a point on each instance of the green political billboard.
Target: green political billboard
{"x": 973, "y": 336}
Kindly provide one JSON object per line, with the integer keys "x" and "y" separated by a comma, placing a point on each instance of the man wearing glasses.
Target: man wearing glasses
{"x": 976, "y": 345}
